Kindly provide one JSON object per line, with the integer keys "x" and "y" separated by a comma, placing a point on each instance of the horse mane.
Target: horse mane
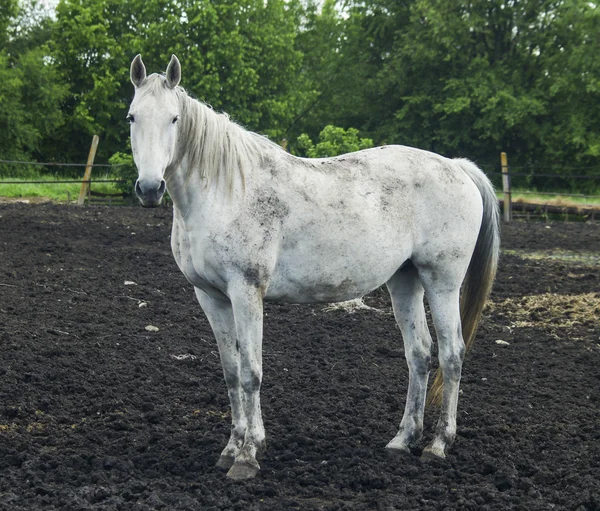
{"x": 216, "y": 147}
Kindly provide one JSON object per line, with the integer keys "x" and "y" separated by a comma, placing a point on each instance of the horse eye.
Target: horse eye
{"x": 175, "y": 119}
{"x": 130, "y": 118}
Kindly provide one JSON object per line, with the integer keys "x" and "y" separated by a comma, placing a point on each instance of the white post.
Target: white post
{"x": 506, "y": 188}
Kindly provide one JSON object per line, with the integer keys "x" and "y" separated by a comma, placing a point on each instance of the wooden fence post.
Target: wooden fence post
{"x": 85, "y": 184}
{"x": 506, "y": 188}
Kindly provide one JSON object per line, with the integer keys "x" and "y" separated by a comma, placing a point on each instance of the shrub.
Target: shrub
{"x": 124, "y": 168}
{"x": 333, "y": 141}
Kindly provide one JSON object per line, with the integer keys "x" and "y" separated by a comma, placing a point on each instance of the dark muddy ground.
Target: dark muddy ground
{"x": 96, "y": 412}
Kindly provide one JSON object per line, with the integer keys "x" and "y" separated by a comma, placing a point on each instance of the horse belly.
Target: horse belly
{"x": 309, "y": 275}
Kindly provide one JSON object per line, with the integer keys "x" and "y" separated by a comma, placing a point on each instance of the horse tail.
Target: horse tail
{"x": 482, "y": 268}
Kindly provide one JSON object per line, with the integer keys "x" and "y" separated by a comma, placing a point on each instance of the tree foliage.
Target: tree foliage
{"x": 124, "y": 169}
{"x": 31, "y": 92}
{"x": 459, "y": 78}
{"x": 333, "y": 141}
{"x": 470, "y": 78}
{"x": 239, "y": 56}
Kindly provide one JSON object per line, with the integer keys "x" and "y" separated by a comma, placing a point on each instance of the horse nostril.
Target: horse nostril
{"x": 138, "y": 189}
{"x": 150, "y": 191}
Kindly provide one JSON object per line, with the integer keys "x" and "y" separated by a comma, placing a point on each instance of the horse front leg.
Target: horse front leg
{"x": 219, "y": 313}
{"x": 248, "y": 312}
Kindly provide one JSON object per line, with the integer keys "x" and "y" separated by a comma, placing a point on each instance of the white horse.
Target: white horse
{"x": 253, "y": 223}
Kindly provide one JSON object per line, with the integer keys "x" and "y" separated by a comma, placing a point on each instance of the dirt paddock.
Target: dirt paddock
{"x": 97, "y": 412}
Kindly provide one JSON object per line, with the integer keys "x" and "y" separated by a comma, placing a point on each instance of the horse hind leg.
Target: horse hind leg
{"x": 443, "y": 295}
{"x": 406, "y": 292}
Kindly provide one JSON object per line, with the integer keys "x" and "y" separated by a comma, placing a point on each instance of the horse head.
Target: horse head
{"x": 153, "y": 116}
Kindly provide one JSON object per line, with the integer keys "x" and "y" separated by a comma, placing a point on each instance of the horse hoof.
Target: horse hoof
{"x": 431, "y": 454}
{"x": 396, "y": 450}
{"x": 225, "y": 462}
{"x": 242, "y": 470}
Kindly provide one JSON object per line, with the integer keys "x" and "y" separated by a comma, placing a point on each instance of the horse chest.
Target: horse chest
{"x": 194, "y": 262}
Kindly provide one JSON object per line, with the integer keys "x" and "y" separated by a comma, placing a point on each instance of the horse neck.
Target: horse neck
{"x": 216, "y": 159}
{"x": 193, "y": 194}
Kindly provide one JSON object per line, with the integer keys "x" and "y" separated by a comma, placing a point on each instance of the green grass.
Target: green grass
{"x": 51, "y": 189}
{"x": 561, "y": 199}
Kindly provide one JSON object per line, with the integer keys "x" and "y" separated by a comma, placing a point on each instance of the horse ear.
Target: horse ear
{"x": 137, "y": 71}
{"x": 173, "y": 72}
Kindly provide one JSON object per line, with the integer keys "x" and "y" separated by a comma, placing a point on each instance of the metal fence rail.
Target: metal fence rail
{"x": 558, "y": 176}
{"x": 65, "y": 181}
{"x": 55, "y": 164}
{"x": 506, "y": 172}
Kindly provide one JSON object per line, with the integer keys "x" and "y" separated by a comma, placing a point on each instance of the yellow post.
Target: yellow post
{"x": 506, "y": 188}
{"x": 85, "y": 184}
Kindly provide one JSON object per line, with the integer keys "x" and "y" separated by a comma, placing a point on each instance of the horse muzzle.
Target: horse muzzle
{"x": 150, "y": 193}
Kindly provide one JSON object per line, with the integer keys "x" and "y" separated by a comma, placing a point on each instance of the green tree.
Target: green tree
{"x": 345, "y": 46}
{"x": 461, "y": 78}
{"x": 464, "y": 76}
{"x": 570, "y": 133}
{"x": 8, "y": 11}
{"x": 31, "y": 91}
{"x": 238, "y": 55}
{"x": 478, "y": 78}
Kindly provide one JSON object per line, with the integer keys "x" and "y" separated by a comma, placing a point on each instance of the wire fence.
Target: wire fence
{"x": 54, "y": 164}
{"x": 84, "y": 181}
{"x": 513, "y": 171}
{"x": 88, "y": 182}
{"x": 488, "y": 173}
{"x": 578, "y": 190}
{"x": 86, "y": 192}
{"x": 558, "y": 194}
{"x": 512, "y": 174}
{"x": 62, "y": 181}
{"x": 553, "y": 175}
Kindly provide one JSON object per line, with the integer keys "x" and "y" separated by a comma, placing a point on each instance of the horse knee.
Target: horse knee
{"x": 419, "y": 361}
{"x": 452, "y": 366}
{"x": 451, "y": 358}
{"x": 251, "y": 380}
